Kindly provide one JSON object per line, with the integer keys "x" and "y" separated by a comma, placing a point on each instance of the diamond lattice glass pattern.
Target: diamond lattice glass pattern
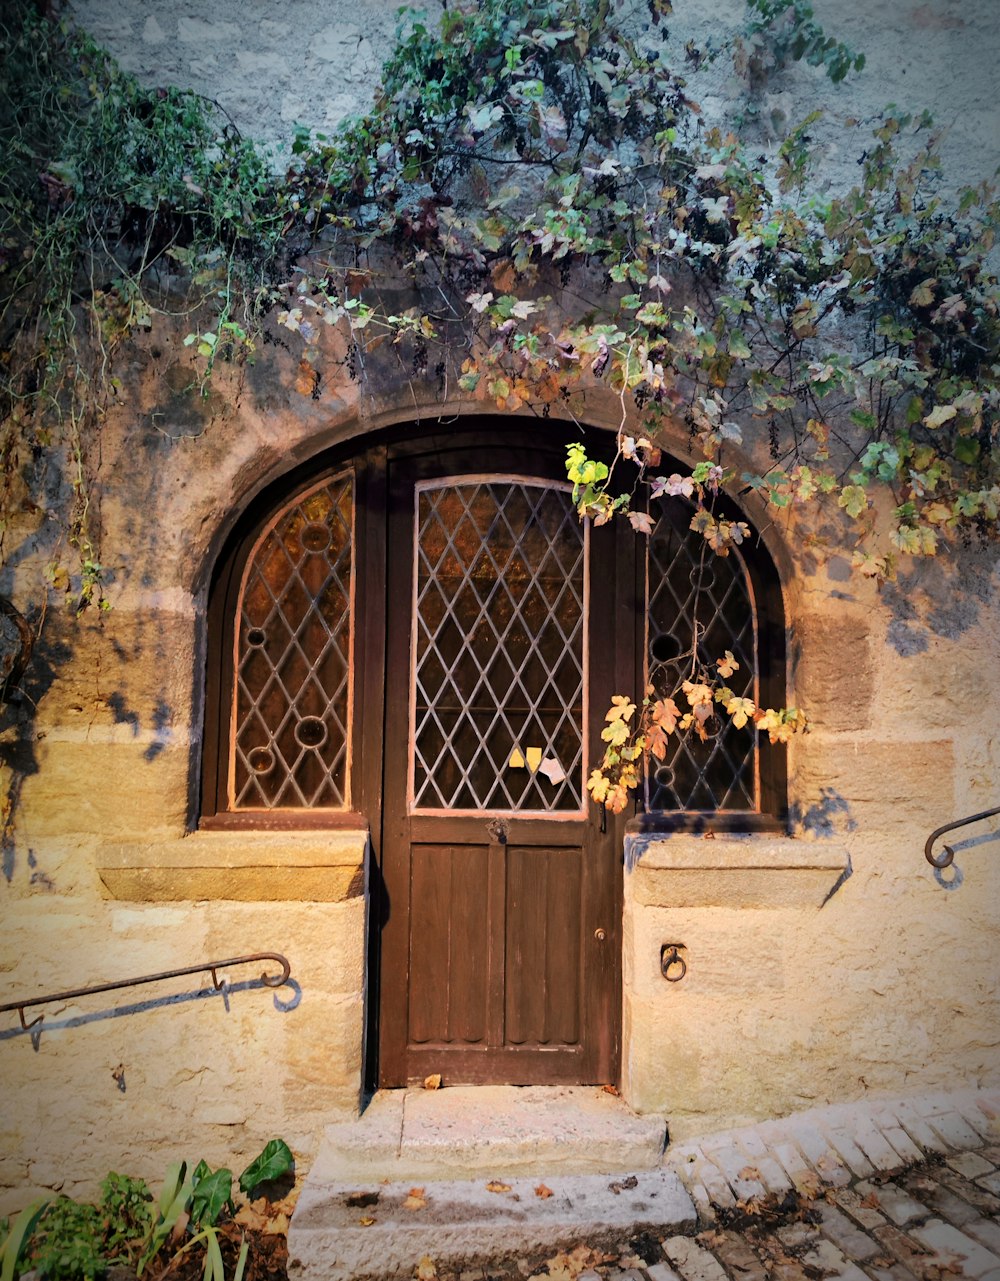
{"x": 293, "y": 657}
{"x": 499, "y": 648}
{"x": 689, "y": 583}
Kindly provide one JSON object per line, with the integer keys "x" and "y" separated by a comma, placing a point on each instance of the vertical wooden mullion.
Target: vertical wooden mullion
{"x": 394, "y": 860}
{"x": 497, "y": 918}
{"x": 368, "y": 718}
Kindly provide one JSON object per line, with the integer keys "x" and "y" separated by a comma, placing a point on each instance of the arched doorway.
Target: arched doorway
{"x": 422, "y": 638}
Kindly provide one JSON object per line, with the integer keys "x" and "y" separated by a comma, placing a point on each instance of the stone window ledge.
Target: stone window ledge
{"x": 246, "y": 866}
{"x": 682, "y": 870}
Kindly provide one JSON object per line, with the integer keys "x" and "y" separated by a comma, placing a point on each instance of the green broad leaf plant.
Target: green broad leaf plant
{"x": 68, "y": 1240}
{"x": 536, "y": 182}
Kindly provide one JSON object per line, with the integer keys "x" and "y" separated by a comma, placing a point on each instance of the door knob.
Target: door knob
{"x": 600, "y": 935}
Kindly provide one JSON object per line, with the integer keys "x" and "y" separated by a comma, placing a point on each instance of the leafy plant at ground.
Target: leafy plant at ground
{"x": 67, "y": 1240}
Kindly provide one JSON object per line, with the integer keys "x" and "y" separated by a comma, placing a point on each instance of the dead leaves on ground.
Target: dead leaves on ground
{"x": 415, "y": 1200}
{"x": 567, "y": 1265}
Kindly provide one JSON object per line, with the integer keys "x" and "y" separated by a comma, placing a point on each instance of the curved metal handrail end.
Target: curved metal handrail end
{"x": 947, "y": 856}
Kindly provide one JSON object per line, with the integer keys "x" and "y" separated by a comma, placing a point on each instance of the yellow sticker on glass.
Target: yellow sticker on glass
{"x": 534, "y": 758}
{"x": 516, "y": 759}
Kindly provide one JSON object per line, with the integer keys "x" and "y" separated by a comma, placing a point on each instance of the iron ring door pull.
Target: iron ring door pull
{"x": 670, "y": 958}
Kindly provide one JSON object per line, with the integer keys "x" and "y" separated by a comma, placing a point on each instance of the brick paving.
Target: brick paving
{"x": 906, "y": 1191}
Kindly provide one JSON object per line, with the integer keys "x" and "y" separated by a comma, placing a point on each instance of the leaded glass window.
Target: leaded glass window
{"x": 689, "y": 588}
{"x": 499, "y": 647}
{"x": 292, "y": 642}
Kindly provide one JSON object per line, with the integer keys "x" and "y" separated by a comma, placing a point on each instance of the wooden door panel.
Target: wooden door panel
{"x": 543, "y": 959}
{"x": 496, "y": 873}
{"x": 449, "y": 944}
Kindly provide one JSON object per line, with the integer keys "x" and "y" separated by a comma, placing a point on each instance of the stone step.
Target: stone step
{"x": 463, "y": 1132}
{"x": 380, "y": 1231}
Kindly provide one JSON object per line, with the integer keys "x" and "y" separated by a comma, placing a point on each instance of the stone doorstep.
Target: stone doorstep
{"x": 462, "y": 1222}
{"x": 464, "y": 1132}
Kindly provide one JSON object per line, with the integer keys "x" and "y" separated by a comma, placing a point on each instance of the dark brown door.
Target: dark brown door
{"x": 501, "y": 941}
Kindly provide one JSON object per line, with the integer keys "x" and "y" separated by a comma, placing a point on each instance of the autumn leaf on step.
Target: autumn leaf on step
{"x": 543, "y": 1192}
{"x": 366, "y": 1223}
{"x": 415, "y": 1200}
{"x": 568, "y": 1266}
{"x": 610, "y": 1089}
{"x": 750, "y": 1172}
{"x": 426, "y": 1270}
{"x": 432, "y": 1082}
{"x": 495, "y": 1185}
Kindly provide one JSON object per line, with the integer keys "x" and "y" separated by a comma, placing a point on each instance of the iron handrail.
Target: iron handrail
{"x": 947, "y": 855}
{"x": 269, "y": 980}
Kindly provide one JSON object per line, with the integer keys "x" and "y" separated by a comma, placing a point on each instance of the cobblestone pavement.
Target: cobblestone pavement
{"x": 907, "y": 1191}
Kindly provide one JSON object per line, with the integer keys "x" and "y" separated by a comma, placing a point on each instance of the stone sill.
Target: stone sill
{"x": 248, "y": 867}
{"x": 681, "y": 870}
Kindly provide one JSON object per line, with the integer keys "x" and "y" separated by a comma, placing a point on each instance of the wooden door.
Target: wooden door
{"x": 501, "y": 939}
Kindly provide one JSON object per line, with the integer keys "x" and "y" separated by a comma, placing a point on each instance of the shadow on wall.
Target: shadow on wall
{"x": 283, "y": 1004}
{"x": 941, "y": 597}
{"x": 828, "y": 817}
{"x": 952, "y": 876}
{"x": 17, "y": 728}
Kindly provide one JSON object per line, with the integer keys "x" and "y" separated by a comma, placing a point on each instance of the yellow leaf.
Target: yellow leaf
{"x": 495, "y": 1186}
{"x": 543, "y": 1192}
{"x": 939, "y": 415}
{"x": 433, "y": 1082}
{"x": 426, "y": 1271}
{"x": 416, "y": 1200}
{"x": 697, "y": 693}
{"x": 727, "y": 665}
{"x": 922, "y": 295}
{"x": 622, "y": 708}
{"x": 615, "y": 733}
{"x": 740, "y": 709}
{"x": 366, "y": 1222}
{"x": 597, "y": 786}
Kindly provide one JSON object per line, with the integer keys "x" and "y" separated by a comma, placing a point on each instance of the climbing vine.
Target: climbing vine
{"x": 534, "y": 207}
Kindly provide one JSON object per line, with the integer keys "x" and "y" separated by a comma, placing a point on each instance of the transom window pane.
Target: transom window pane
{"x": 293, "y": 657}
{"x": 688, "y": 584}
{"x": 499, "y": 645}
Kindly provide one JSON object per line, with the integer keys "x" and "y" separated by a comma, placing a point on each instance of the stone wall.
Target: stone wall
{"x": 273, "y": 66}
{"x": 819, "y": 968}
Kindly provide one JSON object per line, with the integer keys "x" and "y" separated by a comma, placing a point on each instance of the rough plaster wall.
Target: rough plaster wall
{"x": 890, "y": 986}
{"x": 272, "y": 65}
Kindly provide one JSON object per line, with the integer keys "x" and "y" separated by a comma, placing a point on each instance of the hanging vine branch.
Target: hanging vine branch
{"x": 543, "y": 184}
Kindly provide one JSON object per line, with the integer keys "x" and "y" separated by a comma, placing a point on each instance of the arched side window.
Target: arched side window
{"x": 698, "y": 606}
{"x": 283, "y": 699}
